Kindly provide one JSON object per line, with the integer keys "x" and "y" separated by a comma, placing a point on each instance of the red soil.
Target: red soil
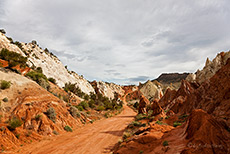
{"x": 98, "y": 137}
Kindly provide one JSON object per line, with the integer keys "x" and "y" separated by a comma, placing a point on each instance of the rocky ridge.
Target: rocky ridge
{"x": 50, "y": 64}
{"x": 198, "y": 112}
{"x": 210, "y": 68}
{"x": 107, "y": 89}
{"x": 30, "y": 103}
{"x": 151, "y": 90}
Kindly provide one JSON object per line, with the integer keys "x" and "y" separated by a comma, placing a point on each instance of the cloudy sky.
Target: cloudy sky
{"x": 122, "y": 41}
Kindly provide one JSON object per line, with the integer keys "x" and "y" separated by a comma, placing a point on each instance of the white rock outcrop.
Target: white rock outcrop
{"x": 50, "y": 64}
{"x": 210, "y": 68}
{"x": 109, "y": 89}
{"x": 5, "y": 43}
{"x": 151, "y": 91}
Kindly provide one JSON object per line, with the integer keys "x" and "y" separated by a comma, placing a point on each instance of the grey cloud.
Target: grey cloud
{"x": 110, "y": 71}
{"x": 120, "y": 65}
{"x": 116, "y": 74}
{"x": 138, "y": 79}
{"x": 132, "y": 38}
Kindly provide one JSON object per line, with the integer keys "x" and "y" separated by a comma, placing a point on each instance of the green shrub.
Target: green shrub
{"x": 5, "y": 99}
{"x": 86, "y": 97}
{"x": 166, "y": 111}
{"x": 5, "y": 84}
{"x": 100, "y": 108}
{"x": 151, "y": 118}
{"x": 46, "y": 51}
{"x": 140, "y": 117}
{"x": 68, "y": 128}
{"x": 39, "y": 70}
{"x": 167, "y": 117}
{"x": 55, "y": 132}
{"x": 160, "y": 119}
{"x": 159, "y": 122}
{"x": 14, "y": 123}
{"x": 91, "y": 104}
{"x": 13, "y": 58}
{"x": 40, "y": 78}
{"x": 136, "y": 105}
{"x": 106, "y": 115}
{"x": 74, "y": 89}
{"x": 65, "y": 98}
{"x": 17, "y": 136}
{"x": 38, "y": 117}
{"x": 2, "y": 128}
{"x": 52, "y": 80}
{"x": 93, "y": 96}
{"x": 165, "y": 143}
{"x": 74, "y": 112}
{"x": 150, "y": 112}
{"x": 28, "y": 133}
{"x": 51, "y": 114}
{"x": 141, "y": 151}
{"x": 36, "y": 76}
{"x": 136, "y": 124}
{"x": 126, "y": 135}
{"x": 175, "y": 124}
{"x": 183, "y": 116}
{"x": 2, "y": 31}
{"x": 44, "y": 83}
{"x": 84, "y": 104}
{"x": 79, "y": 107}
{"x": 18, "y": 44}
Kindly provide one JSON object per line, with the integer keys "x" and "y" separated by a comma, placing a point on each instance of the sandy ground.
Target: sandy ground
{"x": 95, "y": 138}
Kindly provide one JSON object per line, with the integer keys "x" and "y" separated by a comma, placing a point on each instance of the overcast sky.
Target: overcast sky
{"x": 122, "y": 41}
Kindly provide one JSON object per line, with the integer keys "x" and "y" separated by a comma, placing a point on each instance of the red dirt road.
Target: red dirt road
{"x": 96, "y": 138}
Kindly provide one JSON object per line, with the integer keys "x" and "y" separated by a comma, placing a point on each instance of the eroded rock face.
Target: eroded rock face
{"x": 5, "y": 43}
{"x": 151, "y": 91}
{"x": 129, "y": 89}
{"x": 29, "y": 102}
{"x": 142, "y": 104}
{"x": 212, "y": 96}
{"x": 156, "y": 108}
{"x": 204, "y": 134}
{"x": 210, "y": 68}
{"x": 168, "y": 97}
{"x": 107, "y": 89}
{"x": 50, "y": 64}
{"x": 177, "y": 99}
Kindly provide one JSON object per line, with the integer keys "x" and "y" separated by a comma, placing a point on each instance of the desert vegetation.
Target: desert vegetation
{"x": 13, "y": 58}
{"x": 5, "y": 84}
{"x": 39, "y": 77}
{"x": 51, "y": 114}
{"x": 14, "y": 123}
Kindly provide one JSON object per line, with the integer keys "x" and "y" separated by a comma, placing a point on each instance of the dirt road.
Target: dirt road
{"x": 95, "y": 138}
